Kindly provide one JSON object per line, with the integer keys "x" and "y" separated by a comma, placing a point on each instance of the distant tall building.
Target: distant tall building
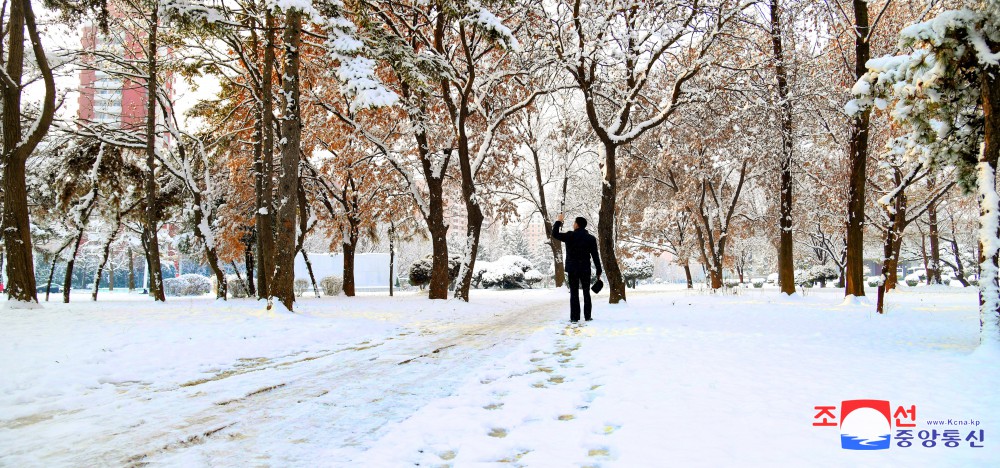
{"x": 534, "y": 235}
{"x": 106, "y": 98}
{"x": 455, "y": 216}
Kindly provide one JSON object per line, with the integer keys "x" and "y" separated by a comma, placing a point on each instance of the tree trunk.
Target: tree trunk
{"x": 265, "y": 212}
{"x": 349, "y": 269}
{"x": 888, "y": 282}
{"x": 715, "y": 278}
{"x": 16, "y": 228}
{"x": 554, "y": 244}
{"x": 210, "y": 253}
{"x": 438, "y": 287}
{"x": 283, "y": 285}
{"x": 896, "y": 217}
{"x": 433, "y": 174}
{"x": 606, "y": 226}
{"x": 559, "y": 267}
{"x": 131, "y": 271}
{"x": 989, "y": 220}
{"x": 392, "y": 256}
{"x": 309, "y": 269}
{"x": 220, "y": 275}
{"x": 105, "y": 251}
{"x": 959, "y": 265}
{"x": 17, "y": 232}
{"x": 687, "y": 275}
{"x": 303, "y": 208}
{"x": 151, "y": 225}
{"x": 474, "y": 216}
{"x": 350, "y": 244}
{"x": 248, "y": 261}
{"x": 858, "y": 163}
{"x": 68, "y": 279}
{"x": 52, "y": 269}
{"x": 933, "y": 268}
{"x": 923, "y": 255}
{"x": 786, "y": 265}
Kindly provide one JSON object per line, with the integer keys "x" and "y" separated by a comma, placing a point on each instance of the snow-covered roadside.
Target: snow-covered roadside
{"x": 674, "y": 379}
{"x": 196, "y": 381}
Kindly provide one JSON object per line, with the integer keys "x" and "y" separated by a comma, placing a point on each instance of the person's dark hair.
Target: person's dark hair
{"x": 581, "y": 221}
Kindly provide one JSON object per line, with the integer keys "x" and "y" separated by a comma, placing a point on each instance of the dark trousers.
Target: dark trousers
{"x": 578, "y": 281}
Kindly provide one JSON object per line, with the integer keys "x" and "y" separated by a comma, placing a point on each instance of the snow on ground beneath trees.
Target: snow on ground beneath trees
{"x": 673, "y": 377}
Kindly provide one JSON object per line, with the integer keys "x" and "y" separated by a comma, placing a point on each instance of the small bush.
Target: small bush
{"x": 238, "y": 287}
{"x": 187, "y": 285}
{"x": 818, "y": 274}
{"x": 872, "y": 284}
{"x": 532, "y": 277}
{"x": 946, "y": 281}
{"x": 507, "y": 272}
{"x": 758, "y": 284}
{"x": 635, "y": 269}
{"x": 912, "y": 282}
{"x": 332, "y": 285}
{"x": 301, "y": 286}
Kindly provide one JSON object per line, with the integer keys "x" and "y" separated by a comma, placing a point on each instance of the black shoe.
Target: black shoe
{"x": 574, "y": 321}
{"x": 590, "y": 320}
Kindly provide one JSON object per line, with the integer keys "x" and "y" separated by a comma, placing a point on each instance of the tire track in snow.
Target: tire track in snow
{"x": 324, "y": 403}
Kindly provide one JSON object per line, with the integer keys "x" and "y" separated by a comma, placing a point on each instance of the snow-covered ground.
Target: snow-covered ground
{"x": 672, "y": 378}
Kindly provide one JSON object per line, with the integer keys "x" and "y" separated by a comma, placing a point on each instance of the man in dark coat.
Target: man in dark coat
{"x": 581, "y": 247}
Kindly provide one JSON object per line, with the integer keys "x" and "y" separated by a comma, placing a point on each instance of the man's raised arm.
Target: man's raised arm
{"x": 560, "y": 236}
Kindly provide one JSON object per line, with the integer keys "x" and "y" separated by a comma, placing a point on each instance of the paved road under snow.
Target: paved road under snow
{"x": 328, "y": 404}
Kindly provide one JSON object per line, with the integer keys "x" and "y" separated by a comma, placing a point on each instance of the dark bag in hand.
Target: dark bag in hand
{"x": 598, "y": 285}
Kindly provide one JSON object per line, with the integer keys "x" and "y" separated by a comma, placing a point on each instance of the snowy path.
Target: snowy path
{"x": 682, "y": 379}
{"x": 671, "y": 378}
{"x": 326, "y": 404}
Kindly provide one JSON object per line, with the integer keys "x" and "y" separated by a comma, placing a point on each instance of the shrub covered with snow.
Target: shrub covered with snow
{"x": 635, "y": 269}
{"x": 507, "y": 272}
{"x": 237, "y": 287}
{"x": 819, "y": 274}
{"x": 332, "y": 285}
{"x": 420, "y": 270}
{"x": 533, "y": 277}
{"x": 187, "y": 285}
{"x": 301, "y": 285}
